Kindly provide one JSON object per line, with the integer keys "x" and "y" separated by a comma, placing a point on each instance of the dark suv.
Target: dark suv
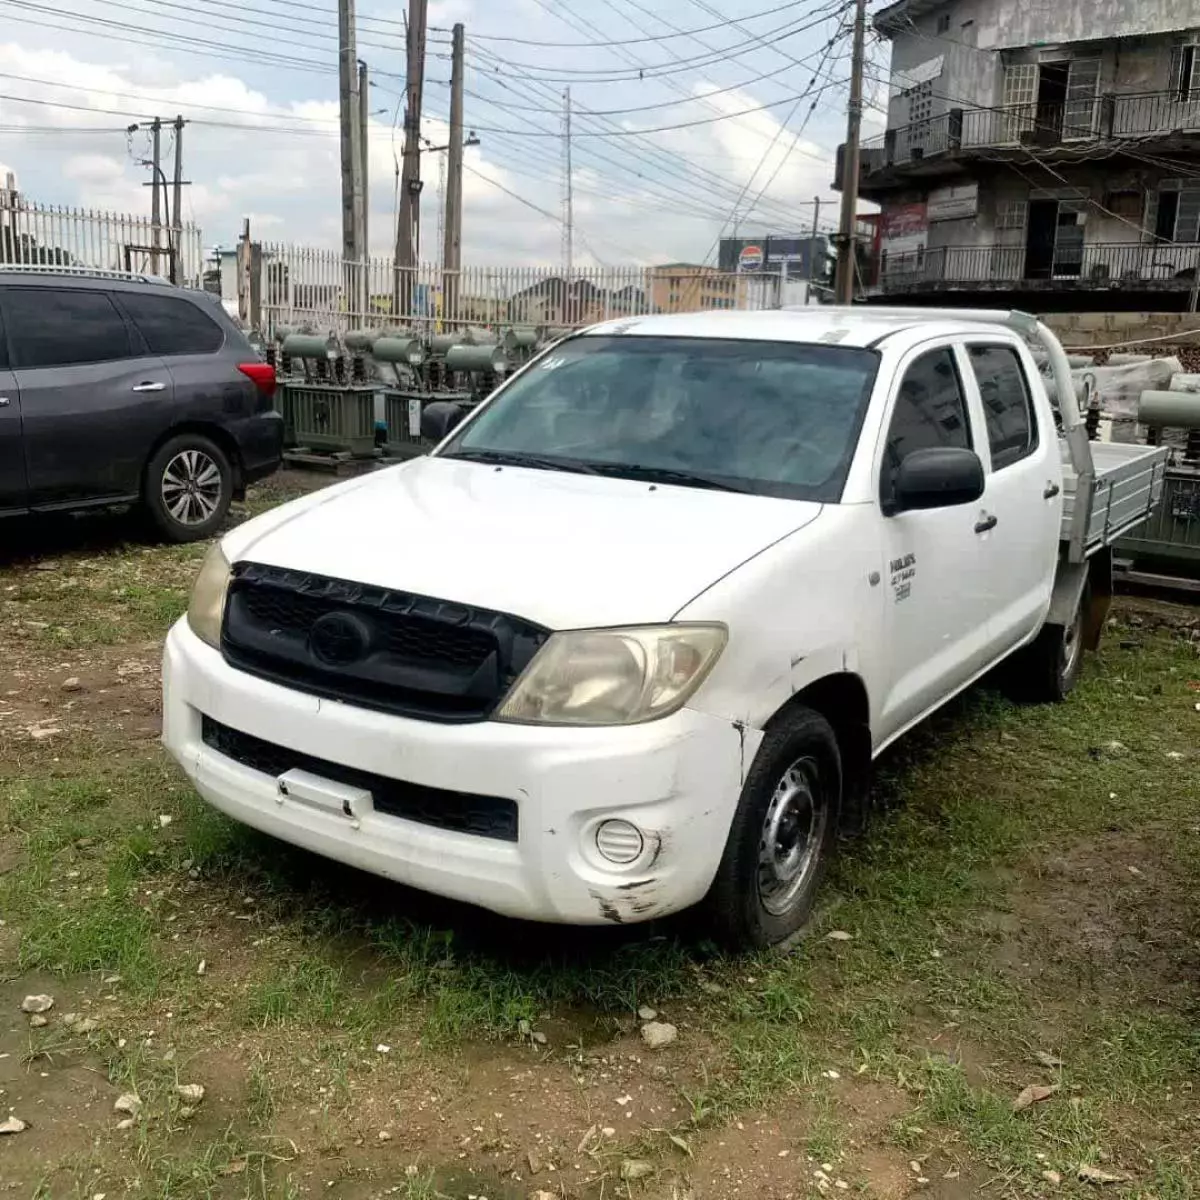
{"x": 118, "y": 389}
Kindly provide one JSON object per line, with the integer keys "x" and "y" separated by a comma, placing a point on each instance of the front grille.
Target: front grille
{"x": 393, "y": 651}
{"x": 460, "y": 812}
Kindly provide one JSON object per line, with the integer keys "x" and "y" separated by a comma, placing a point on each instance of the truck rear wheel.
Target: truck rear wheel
{"x": 782, "y": 834}
{"x": 1047, "y": 671}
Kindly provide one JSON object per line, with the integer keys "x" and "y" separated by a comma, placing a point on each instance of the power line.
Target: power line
{"x": 642, "y": 71}
{"x": 166, "y": 100}
{"x": 613, "y": 112}
{"x": 192, "y": 45}
{"x": 732, "y": 217}
{"x": 664, "y": 37}
{"x": 657, "y": 157}
{"x": 628, "y": 133}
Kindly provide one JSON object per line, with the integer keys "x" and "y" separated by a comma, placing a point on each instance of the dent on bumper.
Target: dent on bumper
{"x": 677, "y": 779}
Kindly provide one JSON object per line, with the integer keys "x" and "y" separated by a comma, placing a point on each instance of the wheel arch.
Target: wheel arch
{"x": 215, "y": 433}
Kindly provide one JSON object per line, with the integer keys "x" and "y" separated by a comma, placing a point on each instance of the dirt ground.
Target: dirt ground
{"x": 1022, "y": 911}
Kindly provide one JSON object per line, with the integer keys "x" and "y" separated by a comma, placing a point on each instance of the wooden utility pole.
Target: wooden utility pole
{"x": 408, "y": 226}
{"x": 452, "y": 248}
{"x": 177, "y": 204}
{"x": 847, "y": 250}
{"x": 364, "y": 154}
{"x": 155, "y": 204}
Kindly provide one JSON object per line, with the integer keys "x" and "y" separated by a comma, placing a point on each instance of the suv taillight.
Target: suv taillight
{"x": 262, "y": 375}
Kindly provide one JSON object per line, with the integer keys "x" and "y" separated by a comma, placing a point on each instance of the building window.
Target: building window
{"x": 1185, "y": 73}
{"x": 1011, "y": 214}
{"x": 943, "y": 23}
{"x": 920, "y": 102}
{"x": 1178, "y": 215}
{"x": 1126, "y": 205}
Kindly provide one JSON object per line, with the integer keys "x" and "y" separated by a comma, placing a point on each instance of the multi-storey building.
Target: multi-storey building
{"x": 1041, "y": 153}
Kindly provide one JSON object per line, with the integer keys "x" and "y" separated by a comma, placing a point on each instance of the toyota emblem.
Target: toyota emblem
{"x": 339, "y": 639}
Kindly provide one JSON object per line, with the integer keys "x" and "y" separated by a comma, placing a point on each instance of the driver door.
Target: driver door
{"x": 934, "y": 565}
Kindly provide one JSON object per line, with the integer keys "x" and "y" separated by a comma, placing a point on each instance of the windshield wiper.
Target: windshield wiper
{"x": 685, "y": 478}
{"x": 516, "y": 458}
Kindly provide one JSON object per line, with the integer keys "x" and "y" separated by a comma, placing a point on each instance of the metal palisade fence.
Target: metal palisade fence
{"x": 315, "y": 290}
{"x": 52, "y": 235}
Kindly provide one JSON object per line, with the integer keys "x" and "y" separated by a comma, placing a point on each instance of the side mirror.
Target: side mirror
{"x": 440, "y": 417}
{"x": 937, "y": 478}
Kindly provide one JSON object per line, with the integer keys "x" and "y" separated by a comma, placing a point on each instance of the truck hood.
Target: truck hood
{"x": 566, "y": 551}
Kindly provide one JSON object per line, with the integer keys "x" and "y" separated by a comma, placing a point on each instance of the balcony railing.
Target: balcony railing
{"x": 1139, "y": 267}
{"x": 1035, "y": 125}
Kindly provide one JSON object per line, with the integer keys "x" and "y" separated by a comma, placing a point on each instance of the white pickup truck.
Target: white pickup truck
{"x": 629, "y": 639}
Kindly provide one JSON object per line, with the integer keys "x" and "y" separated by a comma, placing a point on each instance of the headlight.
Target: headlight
{"x": 207, "y": 605}
{"x": 614, "y": 676}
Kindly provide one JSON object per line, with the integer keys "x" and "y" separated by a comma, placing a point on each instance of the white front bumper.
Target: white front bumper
{"x": 677, "y": 779}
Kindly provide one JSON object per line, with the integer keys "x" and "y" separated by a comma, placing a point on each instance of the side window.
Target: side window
{"x": 49, "y": 327}
{"x": 930, "y": 411}
{"x": 1007, "y": 404}
{"x": 171, "y": 325}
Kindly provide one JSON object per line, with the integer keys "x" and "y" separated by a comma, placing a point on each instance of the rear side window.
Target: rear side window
{"x": 1007, "y": 404}
{"x": 49, "y": 327}
{"x": 171, "y": 325}
{"x": 930, "y": 412}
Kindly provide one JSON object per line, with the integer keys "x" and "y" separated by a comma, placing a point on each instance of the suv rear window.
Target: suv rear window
{"x": 171, "y": 325}
{"x": 57, "y": 327}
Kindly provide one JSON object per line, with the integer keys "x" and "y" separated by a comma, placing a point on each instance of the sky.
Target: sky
{"x": 744, "y": 114}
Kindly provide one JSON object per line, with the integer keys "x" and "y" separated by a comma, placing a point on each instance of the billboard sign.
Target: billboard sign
{"x": 751, "y": 258}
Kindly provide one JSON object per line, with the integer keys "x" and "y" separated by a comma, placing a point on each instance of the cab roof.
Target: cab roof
{"x": 859, "y": 327}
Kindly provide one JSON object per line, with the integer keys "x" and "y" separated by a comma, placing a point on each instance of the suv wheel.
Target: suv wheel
{"x": 782, "y": 834}
{"x": 189, "y": 486}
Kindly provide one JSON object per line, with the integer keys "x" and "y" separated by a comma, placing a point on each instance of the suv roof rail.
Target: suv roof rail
{"x": 85, "y": 272}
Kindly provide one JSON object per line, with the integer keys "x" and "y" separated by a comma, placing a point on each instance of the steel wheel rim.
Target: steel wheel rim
{"x": 191, "y": 487}
{"x": 1072, "y": 644}
{"x": 789, "y": 845}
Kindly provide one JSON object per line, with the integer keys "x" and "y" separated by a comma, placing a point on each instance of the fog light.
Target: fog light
{"x": 619, "y": 841}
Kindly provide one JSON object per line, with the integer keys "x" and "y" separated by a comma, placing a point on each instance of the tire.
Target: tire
{"x": 782, "y": 835}
{"x": 1047, "y": 670}
{"x": 188, "y": 488}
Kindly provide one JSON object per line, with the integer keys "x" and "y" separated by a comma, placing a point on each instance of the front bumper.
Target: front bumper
{"x": 677, "y": 779}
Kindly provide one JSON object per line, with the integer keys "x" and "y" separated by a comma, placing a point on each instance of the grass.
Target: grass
{"x": 991, "y": 907}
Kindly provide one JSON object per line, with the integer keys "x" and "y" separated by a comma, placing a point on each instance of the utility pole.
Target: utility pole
{"x": 812, "y": 241}
{"x": 568, "y": 215}
{"x": 155, "y": 206}
{"x": 364, "y": 154}
{"x": 844, "y": 291}
{"x": 351, "y": 156}
{"x": 408, "y": 226}
{"x": 452, "y": 247}
{"x": 351, "y": 140}
{"x": 177, "y": 204}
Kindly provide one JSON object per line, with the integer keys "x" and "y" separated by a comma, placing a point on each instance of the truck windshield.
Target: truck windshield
{"x": 770, "y": 418}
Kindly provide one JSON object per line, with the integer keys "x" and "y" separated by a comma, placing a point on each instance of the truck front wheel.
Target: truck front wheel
{"x": 782, "y": 834}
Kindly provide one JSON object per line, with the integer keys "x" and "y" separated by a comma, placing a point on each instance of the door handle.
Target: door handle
{"x": 149, "y": 387}
{"x": 4, "y": 401}
{"x": 986, "y": 524}
{"x": 1052, "y": 490}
